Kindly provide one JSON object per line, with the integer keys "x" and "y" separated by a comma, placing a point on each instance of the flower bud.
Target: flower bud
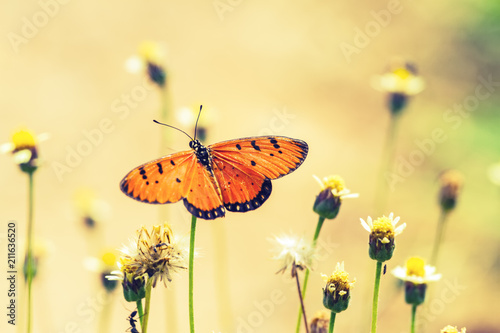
{"x": 327, "y": 205}
{"x": 328, "y": 201}
{"x": 451, "y": 185}
{"x": 133, "y": 288}
{"x": 336, "y": 294}
{"x": 320, "y": 322}
{"x": 382, "y": 232}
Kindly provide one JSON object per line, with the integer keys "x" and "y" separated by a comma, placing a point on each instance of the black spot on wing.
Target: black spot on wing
{"x": 253, "y": 163}
{"x": 238, "y": 146}
{"x": 300, "y": 153}
{"x": 254, "y": 145}
{"x": 205, "y": 214}
{"x": 274, "y": 141}
{"x": 172, "y": 162}
{"x": 254, "y": 203}
{"x": 160, "y": 168}
{"x": 177, "y": 180}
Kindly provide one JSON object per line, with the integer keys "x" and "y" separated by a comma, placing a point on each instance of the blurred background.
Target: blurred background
{"x": 299, "y": 69}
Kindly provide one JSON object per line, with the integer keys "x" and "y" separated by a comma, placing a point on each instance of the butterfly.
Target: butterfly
{"x": 232, "y": 175}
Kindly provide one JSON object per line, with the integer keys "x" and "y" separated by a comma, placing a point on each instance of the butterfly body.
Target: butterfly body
{"x": 232, "y": 175}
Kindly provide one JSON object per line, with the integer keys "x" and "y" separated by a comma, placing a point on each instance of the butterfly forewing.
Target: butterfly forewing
{"x": 270, "y": 156}
{"x": 161, "y": 180}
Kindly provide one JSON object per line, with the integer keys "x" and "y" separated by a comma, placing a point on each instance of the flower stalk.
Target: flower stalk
{"x": 321, "y": 220}
{"x": 29, "y": 249}
{"x": 439, "y": 237}
{"x": 191, "y": 280}
{"x": 375, "y": 296}
{"x": 413, "y": 315}
{"x": 140, "y": 311}
{"x": 294, "y": 272}
{"x": 147, "y": 302}
{"x": 332, "y": 322}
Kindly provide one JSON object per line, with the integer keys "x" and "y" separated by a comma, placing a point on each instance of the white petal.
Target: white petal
{"x": 399, "y": 272}
{"x": 42, "y": 137}
{"x": 434, "y": 277}
{"x": 319, "y": 181}
{"x": 395, "y": 221}
{"x": 365, "y": 225}
{"x": 7, "y": 147}
{"x": 399, "y": 229}
{"x": 391, "y": 215}
{"x": 134, "y": 64}
{"x": 340, "y": 266}
{"x": 92, "y": 264}
{"x": 22, "y": 156}
{"x": 429, "y": 270}
{"x": 352, "y": 195}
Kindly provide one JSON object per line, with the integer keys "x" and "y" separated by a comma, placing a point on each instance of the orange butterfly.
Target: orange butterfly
{"x": 234, "y": 175}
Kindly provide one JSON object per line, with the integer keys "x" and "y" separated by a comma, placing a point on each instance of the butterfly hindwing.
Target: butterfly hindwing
{"x": 242, "y": 189}
{"x": 202, "y": 197}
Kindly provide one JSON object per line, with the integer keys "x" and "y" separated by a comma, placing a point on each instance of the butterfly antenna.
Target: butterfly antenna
{"x": 189, "y": 136}
{"x": 196, "y": 126}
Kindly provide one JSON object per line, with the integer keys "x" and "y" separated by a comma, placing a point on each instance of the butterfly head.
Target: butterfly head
{"x": 195, "y": 144}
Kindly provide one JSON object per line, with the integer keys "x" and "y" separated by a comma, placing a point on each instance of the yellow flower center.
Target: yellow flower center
{"x": 339, "y": 280}
{"x": 23, "y": 139}
{"x": 383, "y": 228}
{"x": 151, "y": 52}
{"x": 415, "y": 267}
{"x": 109, "y": 258}
{"x": 402, "y": 73}
{"x": 334, "y": 183}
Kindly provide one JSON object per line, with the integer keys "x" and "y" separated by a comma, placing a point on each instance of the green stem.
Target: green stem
{"x": 439, "y": 237}
{"x": 375, "y": 296}
{"x": 191, "y": 264}
{"x": 140, "y": 312}
{"x": 321, "y": 220}
{"x": 29, "y": 249}
{"x": 413, "y": 313}
{"x": 385, "y": 165}
{"x": 301, "y": 300}
{"x": 332, "y": 322}
{"x": 147, "y": 310}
